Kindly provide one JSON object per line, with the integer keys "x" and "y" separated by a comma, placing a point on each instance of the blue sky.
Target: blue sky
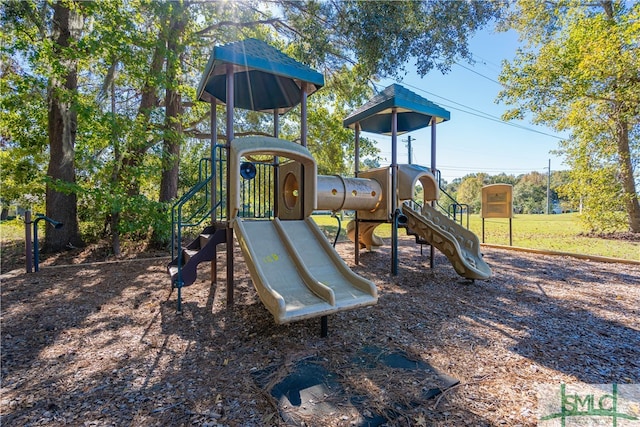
{"x": 469, "y": 143}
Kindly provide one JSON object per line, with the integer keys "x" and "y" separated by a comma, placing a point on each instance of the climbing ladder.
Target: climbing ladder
{"x": 183, "y": 268}
{"x": 194, "y": 210}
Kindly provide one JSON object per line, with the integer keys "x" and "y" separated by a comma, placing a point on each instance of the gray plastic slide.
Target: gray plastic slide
{"x": 458, "y": 244}
{"x": 296, "y": 272}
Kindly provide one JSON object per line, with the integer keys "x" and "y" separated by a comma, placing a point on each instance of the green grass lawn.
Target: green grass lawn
{"x": 12, "y": 230}
{"x": 550, "y": 232}
{"x": 562, "y": 233}
{"x": 553, "y": 232}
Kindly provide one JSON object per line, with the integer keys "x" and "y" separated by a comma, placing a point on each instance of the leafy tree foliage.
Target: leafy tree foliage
{"x": 529, "y": 191}
{"x": 122, "y": 75}
{"x": 502, "y": 178}
{"x": 382, "y": 36}
{"x": 23, "y": 136}
{"x": 579, "y": 73}
{"x": 470, "y": 191}
{"x": 43, "y": 42}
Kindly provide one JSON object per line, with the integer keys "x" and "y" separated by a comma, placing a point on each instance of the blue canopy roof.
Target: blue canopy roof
{"x": 265, "y": 79}
{"x": 414, "y": 112}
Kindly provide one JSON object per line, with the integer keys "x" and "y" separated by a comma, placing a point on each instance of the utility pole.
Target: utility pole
{"x": 549, "y": 188}
{"x": 409, "y": 149}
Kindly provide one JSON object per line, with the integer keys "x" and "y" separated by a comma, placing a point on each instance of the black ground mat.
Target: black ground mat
{"x": 369, "y": 389}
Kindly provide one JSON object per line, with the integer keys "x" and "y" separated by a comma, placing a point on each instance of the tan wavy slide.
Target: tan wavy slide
{"x": 296, "y": 271}
{"x": 458, "y": 244}
{"x": 368, "y": 238}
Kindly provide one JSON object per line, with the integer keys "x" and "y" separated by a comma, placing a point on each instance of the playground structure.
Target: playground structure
{"x": 394, "y": 111}
{"x": 263, "y": 190}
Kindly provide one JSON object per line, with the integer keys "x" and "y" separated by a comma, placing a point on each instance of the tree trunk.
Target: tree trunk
{"x": 114, "y": 218}
{"x": 133, "y": 155}
{"x": 173, "y": 100}
{"x": 171, "y": 148}
{"x": 628, "y": 184}
{"x": 631, "y": 202}
{"x": 61, "y": 203}
{"x": 173, "y": 112}
{"x": 130, "y": 157}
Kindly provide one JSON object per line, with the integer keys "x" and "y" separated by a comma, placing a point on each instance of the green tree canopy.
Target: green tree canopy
{"x": 530, "y": 193}
{"x": 579, "y": 73}
{"x": 135, "y": 65}
{"x": 470, "y": 191}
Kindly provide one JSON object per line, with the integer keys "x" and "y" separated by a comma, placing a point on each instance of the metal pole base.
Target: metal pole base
{"x": 324, "y": 326}
{"x": 179, "y": 308}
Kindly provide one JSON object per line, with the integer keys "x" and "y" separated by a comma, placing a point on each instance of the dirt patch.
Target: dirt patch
{"x": 101, "y": 344}
{"x": 618, "y": 235}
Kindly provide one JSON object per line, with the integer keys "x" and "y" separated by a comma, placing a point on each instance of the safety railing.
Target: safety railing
{"x": 257, "y": 185}
{"x": 195, "y": 206}
{"x": 257, "y": 195}
{"x": 198, "y": 209}
{"x": 450, "y": 206}
{"x": 220, "y": 170}
{"x": 192, "y": 209}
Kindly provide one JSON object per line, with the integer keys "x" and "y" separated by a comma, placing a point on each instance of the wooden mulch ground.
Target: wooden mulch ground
{"x": 101, "y": 344}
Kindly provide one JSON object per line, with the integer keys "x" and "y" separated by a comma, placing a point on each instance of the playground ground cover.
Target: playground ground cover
{"x": 101, "y": 344}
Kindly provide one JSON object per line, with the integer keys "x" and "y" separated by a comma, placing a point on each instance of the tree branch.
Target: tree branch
{"x": 192, "y": 133}
{"x": 200, "y": 119}
{"x": 237, "y": 24}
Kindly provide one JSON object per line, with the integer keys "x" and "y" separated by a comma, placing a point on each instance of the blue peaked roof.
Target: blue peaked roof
{"x": 265, "y": 79}
{"x": 414, "y": 112}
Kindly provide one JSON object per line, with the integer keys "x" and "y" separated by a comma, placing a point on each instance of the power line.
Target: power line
{"x": 481, "y": 169}
{"x": 480, "y": 74}
{"x": 487, "y": 62}
{"x": 384, "y": 160}
{"x": 481, "y": 114}
{"x": 476, "y": 112}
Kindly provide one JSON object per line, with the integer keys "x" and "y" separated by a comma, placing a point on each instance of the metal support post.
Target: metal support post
{"x": 28, "y": 241}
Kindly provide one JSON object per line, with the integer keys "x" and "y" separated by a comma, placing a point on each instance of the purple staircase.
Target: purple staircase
{"x": 184, "y": 268}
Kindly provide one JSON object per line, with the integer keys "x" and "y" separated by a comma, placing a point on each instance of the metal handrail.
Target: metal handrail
{"x": 453, "y": 210}
{"x": 205, "y": 161}
{"x": 198, "y": 215}
{"x": 414, "y": 204}
{"x": 453, "y": 205}
{"x": 180, "y": 222}
{"x": 201, "y": 211}
{"x": 218, "y": 160}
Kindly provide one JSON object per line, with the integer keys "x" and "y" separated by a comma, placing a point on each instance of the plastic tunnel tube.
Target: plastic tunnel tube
{"x": 336, "y": 193}
{"x": 367, "y": 239}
